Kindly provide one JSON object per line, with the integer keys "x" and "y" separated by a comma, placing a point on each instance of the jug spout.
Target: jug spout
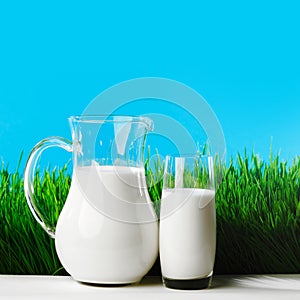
{"x": 148, "y": 123}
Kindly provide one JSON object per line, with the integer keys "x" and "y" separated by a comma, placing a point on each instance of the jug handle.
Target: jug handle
{"x": 29, "y": 173}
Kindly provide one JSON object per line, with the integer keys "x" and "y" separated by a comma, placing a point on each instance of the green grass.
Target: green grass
{"x": 25, "y": 248}
{"x": 258, "y": 217}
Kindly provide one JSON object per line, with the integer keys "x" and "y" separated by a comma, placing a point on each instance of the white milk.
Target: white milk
{"x": 187, "y": 241}
{"x": 107, "y": 231}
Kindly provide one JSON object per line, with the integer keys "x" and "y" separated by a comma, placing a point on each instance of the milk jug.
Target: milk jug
{"x": 107, "y": 231}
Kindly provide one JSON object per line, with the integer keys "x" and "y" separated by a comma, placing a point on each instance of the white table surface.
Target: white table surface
{"x": 224, "y": 287}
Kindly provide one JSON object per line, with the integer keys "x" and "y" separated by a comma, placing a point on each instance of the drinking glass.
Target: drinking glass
{"x": 188, "y": 222}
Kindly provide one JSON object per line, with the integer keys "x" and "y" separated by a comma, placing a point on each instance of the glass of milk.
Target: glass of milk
{"x": 187, "y": 241}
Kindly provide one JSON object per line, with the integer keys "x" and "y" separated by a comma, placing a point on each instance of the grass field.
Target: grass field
{"x": 258, "y": 217}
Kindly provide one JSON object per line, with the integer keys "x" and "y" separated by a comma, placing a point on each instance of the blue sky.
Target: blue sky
{"x": 241, "y": 56}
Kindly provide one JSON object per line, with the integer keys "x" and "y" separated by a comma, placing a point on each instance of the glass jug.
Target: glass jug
{"x": 107, "y": 231}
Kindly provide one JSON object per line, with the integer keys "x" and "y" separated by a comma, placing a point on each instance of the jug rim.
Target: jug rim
{"x": 101, "y": 118}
